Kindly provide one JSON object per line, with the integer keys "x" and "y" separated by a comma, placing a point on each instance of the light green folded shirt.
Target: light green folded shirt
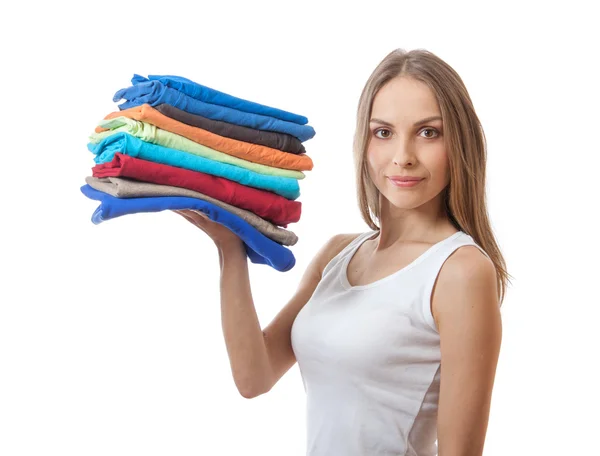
{"x": 150, "y": 133}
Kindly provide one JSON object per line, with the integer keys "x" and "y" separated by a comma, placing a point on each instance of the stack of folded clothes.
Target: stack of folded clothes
{"x": 176, "y": 144}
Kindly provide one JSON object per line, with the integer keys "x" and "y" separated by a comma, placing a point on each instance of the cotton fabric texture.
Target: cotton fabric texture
{"x": 275, "y": 140}
{"x": 259, "y": 248}
{"x": 154, "y": 93}
{"x": 270, "y": 206}
{"x": 151, "y": 134}
{"x": 135, "y": 147}
{"x": 212, "y": 96}
{"x": 369, "y": 357}
{"x": 128, "y": 188}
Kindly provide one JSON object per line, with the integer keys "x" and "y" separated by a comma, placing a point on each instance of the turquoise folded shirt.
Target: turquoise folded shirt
{"x": 135, "y": 147}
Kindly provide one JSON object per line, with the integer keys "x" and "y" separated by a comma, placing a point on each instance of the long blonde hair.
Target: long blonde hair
{"x": 464, "y": 197}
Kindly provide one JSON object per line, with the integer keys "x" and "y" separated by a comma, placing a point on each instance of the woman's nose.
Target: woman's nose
{"x": 404, "y": 155}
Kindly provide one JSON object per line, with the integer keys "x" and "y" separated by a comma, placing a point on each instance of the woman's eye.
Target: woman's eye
{"x": 385, "y": 133}
{"x": 383, "y": 130}
{"x": 431, "y": 130}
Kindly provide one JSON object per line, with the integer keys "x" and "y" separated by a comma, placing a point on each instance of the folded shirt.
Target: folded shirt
{"x": 246, "y": 151}
{"x": 273, "y": 139}
{"x": 127, "y": 188}
{"x": 135, "y": 147}
{"x": 267, "y": 205}
{"x": 149, "y": 133}
{"x": 208, "y": 95}
{"x": 154, "y": 93}
{"x": 259, "y": 248}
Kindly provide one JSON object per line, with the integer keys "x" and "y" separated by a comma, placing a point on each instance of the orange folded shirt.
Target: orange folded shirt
{"x": 247, "y": 151}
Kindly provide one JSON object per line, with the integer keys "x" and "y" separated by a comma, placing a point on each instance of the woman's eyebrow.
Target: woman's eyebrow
{"x": 420, "y": 122}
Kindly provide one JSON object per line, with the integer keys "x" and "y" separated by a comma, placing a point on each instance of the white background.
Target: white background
{"x": 110, "y": 335}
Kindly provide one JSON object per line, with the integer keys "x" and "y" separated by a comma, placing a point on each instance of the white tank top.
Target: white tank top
{"x": 369, "y": 357}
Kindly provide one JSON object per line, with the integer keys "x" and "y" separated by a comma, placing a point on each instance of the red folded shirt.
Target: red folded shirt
{"x": 268, "y": 205}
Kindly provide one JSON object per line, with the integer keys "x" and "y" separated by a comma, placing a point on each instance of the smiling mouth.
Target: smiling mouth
{"x": 405, "y": 183}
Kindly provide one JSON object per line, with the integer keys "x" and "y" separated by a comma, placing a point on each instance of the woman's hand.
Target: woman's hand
{"x": 220, "y": 234}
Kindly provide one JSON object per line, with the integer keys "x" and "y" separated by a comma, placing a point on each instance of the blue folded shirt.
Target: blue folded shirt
{"x": 209, "y": 95}
{"x": 155, "y": 93}
{"x": 259, "y": 248}
{"x": 127, "y": 144}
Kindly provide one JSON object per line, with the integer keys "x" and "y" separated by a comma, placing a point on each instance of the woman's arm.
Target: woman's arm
{"x": 259, "y": 358}
{"x": 467, "y": 314}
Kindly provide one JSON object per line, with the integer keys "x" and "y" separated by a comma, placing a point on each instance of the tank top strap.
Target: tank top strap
{"x": 348, "y": 250}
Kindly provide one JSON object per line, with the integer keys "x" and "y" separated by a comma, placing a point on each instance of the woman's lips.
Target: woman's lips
{"x": 404, "y": 183}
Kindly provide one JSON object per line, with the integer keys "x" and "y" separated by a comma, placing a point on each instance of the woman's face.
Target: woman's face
{"x": 400, "y": 145}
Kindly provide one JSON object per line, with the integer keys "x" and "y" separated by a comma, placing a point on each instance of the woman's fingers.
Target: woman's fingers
{"x": 198, "y": 217}
{"x": 186, "y": 216}
{"x": 217, "y": 231}
{"x": 182, "y": 213}
{"x": 194, "y": 213}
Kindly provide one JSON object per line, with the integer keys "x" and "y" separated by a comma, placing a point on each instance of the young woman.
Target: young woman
{"x": 396, "y": 331}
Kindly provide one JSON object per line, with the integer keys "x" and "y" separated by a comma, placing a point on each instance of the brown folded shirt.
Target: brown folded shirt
{"x": 127, "y": 188}
{"x": 281, "y": 141}
{"x": 246, "y": 151}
